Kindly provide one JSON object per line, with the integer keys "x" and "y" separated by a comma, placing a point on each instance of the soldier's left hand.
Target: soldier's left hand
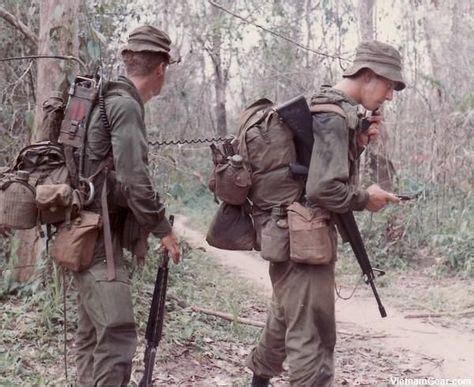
{"x": 372, "y": 133}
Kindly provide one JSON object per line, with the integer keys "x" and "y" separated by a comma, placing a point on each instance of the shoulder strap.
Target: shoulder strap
{"x": 328, "y": 108}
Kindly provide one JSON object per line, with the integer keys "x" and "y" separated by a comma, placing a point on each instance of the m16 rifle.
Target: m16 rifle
{"x": 154, "y": 326}
{"x": 297, "y": 116}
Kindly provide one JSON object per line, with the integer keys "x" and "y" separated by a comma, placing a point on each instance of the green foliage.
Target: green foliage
{"x": 181, "y": 179}
{"x": 425, "y": 232}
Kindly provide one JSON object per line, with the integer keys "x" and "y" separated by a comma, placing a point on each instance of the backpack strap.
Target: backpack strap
{"x": 255, "y": 114}
{"x": 328, "y": 108}
{"x": 250, "y": 112}
{"x": 71, "y": 165}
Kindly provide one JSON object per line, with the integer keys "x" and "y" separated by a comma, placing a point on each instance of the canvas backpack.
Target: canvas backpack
{"x": 43, "y": 185}
{"x": 257, "y": 161}
{"x": 264, "y": 150}
{"x": 266, "y": 147}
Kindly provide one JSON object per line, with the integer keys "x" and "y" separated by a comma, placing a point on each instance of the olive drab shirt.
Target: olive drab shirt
{"x": 333, "y": 173}
{"x": 130, "y": 188}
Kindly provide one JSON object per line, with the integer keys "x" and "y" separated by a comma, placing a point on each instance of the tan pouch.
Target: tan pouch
{"x": 53, "y": 195}
{"x": 312, "y": 238}
{"x": 57, "y": 203}
{"x": 74, "y": 244}
{"x": 275, "y": 240}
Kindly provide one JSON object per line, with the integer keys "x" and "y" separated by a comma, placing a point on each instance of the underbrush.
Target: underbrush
{"x": 31, "y": 351}
{"x": 422, "y": 234}
{"x": 432, "y": 231}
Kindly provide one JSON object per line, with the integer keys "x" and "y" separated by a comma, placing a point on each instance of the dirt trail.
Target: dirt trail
{"x": 438, "y": 352}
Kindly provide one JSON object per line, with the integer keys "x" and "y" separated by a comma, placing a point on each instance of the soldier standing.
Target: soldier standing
{"x": 301, "y": 324}
{"x": 106, "y": 336}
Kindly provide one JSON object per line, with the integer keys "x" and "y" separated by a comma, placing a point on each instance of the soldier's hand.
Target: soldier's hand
{"x": 372, "y": 133}
{"x": 170, "y": 243}
{"x": 379, "y": 198}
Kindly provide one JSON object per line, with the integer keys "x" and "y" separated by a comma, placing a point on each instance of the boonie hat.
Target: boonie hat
{"x": 148, "y": 38}
{"x": 383, "y": 59}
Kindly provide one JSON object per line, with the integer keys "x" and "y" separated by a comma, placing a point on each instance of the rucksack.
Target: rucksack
{"x": 263, "y": 150}
{"x": 266, "y": 146}
{"x": 43, "y": 185}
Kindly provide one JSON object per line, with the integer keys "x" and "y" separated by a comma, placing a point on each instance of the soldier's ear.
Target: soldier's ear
{"x": 159, "y": 70}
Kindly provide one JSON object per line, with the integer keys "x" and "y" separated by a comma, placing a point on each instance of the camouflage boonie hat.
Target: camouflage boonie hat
{"x": 383, "y": 59}
{"x": 148, "y": 38}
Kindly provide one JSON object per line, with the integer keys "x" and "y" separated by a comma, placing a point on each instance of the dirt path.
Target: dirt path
{"x": 433, "y": 351}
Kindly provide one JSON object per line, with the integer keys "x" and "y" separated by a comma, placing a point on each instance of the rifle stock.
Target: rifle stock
{"x": 298, "y": 119}
{"x": 154, "y": 326}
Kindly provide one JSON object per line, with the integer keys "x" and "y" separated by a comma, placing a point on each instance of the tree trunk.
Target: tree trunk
{"x": 220, "y": 76}
{"x": 366, "y": 19}
{"x": 58, "y": 36}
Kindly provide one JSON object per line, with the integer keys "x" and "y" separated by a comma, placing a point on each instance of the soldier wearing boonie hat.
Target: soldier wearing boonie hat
{"x": 383, "y": 59}
{"x": 301, "y": 326}
{"x": 149, "y": 39}
{"x": 106, "y": 337}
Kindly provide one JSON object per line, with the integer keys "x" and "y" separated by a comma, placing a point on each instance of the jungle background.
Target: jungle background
{"x": 233, "y": 52}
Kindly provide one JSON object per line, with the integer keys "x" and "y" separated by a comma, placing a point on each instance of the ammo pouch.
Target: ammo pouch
{"x": 57, "y": 203}
{"x": 275, "y": 237}
{"x": 313, "y": 238}
{"x": 231, "y": 228}
{"x": 53, "y": 114}
{"x": 74, "y": 243}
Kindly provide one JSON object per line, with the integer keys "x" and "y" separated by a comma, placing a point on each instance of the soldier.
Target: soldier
{"x": 106, "y": 334}
{"x": 301, "y": 323}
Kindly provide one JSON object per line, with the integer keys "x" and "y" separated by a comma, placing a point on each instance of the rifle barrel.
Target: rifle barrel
{"x": 154, "y": 326}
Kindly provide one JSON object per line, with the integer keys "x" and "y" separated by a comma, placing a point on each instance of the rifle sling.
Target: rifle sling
{"x": 109, "y": 251}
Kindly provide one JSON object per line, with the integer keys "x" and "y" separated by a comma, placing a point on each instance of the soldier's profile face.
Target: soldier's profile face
{"x": 375, "y": 91}
{"x": 159, "y": 79}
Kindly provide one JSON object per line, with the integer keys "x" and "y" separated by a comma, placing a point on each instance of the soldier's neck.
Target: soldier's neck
{"x": 350, "y": 87}
{"x": 143, "y": 87}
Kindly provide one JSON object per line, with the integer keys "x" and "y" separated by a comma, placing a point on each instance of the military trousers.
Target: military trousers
{"x": 301, "y": 326}
{"x": 106, "y": 336}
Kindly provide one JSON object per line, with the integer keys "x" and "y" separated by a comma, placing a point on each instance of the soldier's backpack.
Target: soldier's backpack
{"x": 266, "y": 147}
{"x": 264, "y": 150}
{"x": 43, "y": 185}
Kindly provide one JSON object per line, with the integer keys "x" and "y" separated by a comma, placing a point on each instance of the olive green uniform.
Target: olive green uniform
{"x": 301, "y": 323}
{"x": 106, "y": 334}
